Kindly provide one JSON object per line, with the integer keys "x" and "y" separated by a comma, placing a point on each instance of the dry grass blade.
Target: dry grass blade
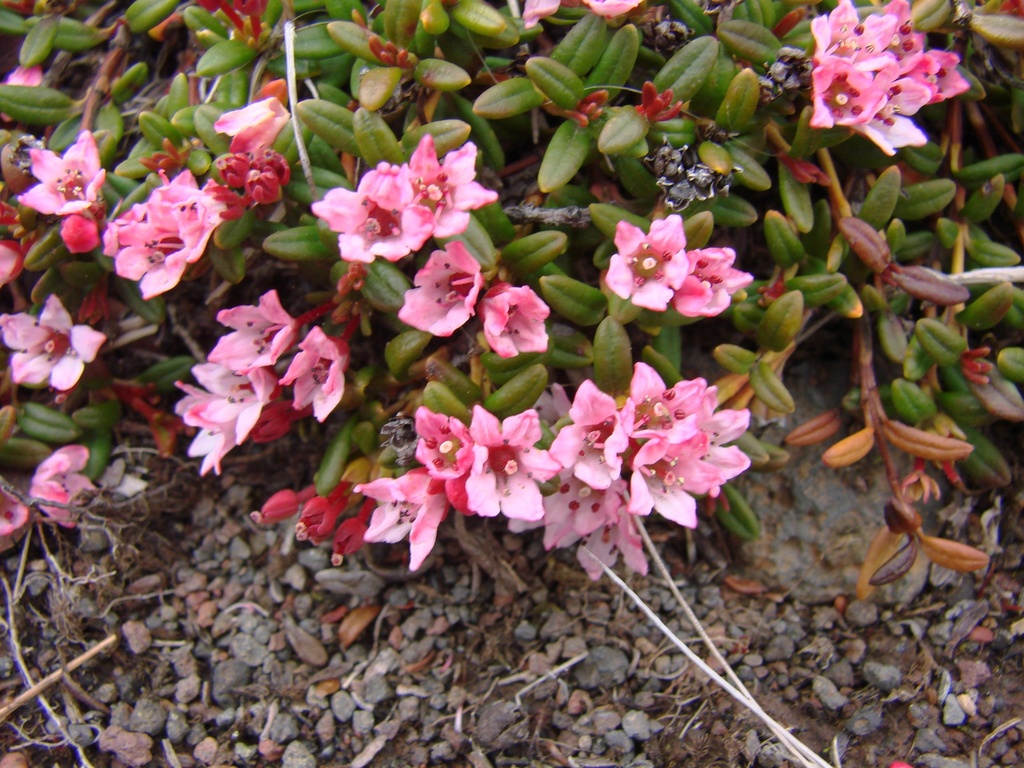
{"x": 293, "y": 99}
{"x": 800, "y": 752}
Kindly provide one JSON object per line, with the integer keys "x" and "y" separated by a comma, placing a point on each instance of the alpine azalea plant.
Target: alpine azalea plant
{"x": 488, "y": 257}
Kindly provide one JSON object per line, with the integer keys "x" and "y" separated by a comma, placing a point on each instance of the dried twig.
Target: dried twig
{"x": 52, "y": 678}
{"x": 528, "y": 213}
{"x": 12, "y": 641}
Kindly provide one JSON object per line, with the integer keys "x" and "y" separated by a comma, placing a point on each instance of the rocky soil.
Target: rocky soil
{"x": 239, "y": 646}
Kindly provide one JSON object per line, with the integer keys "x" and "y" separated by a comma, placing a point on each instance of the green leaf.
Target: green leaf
{"x": 688, "y": 69}
{"x": 224, "y": 57}
{"x": 574, "y": 300}
{"x": 39, "y": 42}
{"x": 508, "y": 98}
{"x": 565, "y": 155}
{"x": 622, "y": 131}
{"x": 143, "y": 15}
{"x": 556, "y": 81}
{"x": 35, "y": 105}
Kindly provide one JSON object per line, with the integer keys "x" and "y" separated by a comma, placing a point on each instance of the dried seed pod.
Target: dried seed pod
{"x": 815, "y": 430}
{"x": 925, "y": 445}
{"x": 896, "y": 566}
{"x": 850, "y": 449}
{"x": 865, "y": 241}
{"x": 928, "y": 285}
{"x": 958, "y": 557}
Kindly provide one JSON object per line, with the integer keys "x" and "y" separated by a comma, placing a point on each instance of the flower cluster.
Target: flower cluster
{"x": 656, "y": 452}
{"x": 396, "y": 208}
{"x": 655, "y": 270}
{"x": 239, "y": 385}
{"x": 873, "y": 74}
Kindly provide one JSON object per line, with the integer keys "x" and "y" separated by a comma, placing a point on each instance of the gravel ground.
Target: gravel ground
{"x": 239, "y": 646}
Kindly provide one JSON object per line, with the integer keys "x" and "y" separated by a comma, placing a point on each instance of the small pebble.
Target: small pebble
{"x": 884, "y": 677}
{"x": 177, "y": 726}
{"x": 362, "y": 722}
{"x": 148, "y": 717}
{"x": 296, "y": 755}
{"x": 779, "y": 648}
{"x": 206, "y": 751}
{"x": 861, "y": 613}
{"x": 636, "y": 725}
{"x": 829, "y": 695}
{"x": 864, "y": 721}
{"x": 137, "y": 636}
{"x": 618, "y": 740}
{"x": 952, "y": 713}
{"x": 285, "y": 728}
{"x": 525, "y": 632}
{"x": 342, "y": 705}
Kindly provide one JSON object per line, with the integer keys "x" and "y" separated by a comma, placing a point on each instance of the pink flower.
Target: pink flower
{"x": 13, "y": 515}
{"x": 576, "y": 510}
{"x": 449, "y": 189}
{"x": 873, "y": 75}
{"x": 446, "y": 291}
{"x": 535, "y": 10}
{"x": 648, "y": 268}
{"x": 49, "y": 347}
{"x": 657, "y": 484}
{"x": 654, "y": 411}
{"x": 30, "y": 76}
{"x": 445, "y": 447}
{"x": 708, "y": 289}
{"x": 607, "y": 542}
{"x": 155, "y": 241}
{"x": 513, "y": 320}
{"x": 262, "y": 334}
{"x": 684, "y": 453}
{"x": 11, "y": 261}
{"x": 225, "y": 411}
{"x": 592, "y": 445}
{"x": 68, "y": 184}
{"x": 507, "y": 466}
{"x": 380, "y": 218}
{"x": 58, "y": 478}
{"x": 318, "y": 372}
{"x": 611, "y": 8}
{"x": 413, "y": 505}
{"x": 254, "y": 127}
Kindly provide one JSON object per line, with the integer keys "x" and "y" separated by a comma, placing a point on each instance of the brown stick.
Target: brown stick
{"x": 54, "y": 677}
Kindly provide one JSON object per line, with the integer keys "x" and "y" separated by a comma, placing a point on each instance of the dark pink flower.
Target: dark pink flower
{"x": 261, "y": 335}
{"x": 445, "y": 447}
{"x": 708, "y": 289}
{"x": 412, "y": 505}
{"x": 380, "y": 218}
{"x": 448, "y": 189}
{"x": 49, "y": 347}
{"x": 254, "y": 127}
{"x": 593, "y": 444}
{"x": 648, "y": 268}
{"x": 155, "y": 241}
{"x": 507, "y": 466}
{"x": 446, "y": 291}
{"x": 513, "y": 318}
{"x": 58, "y": 478}
{"x": 318, "y": 372}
